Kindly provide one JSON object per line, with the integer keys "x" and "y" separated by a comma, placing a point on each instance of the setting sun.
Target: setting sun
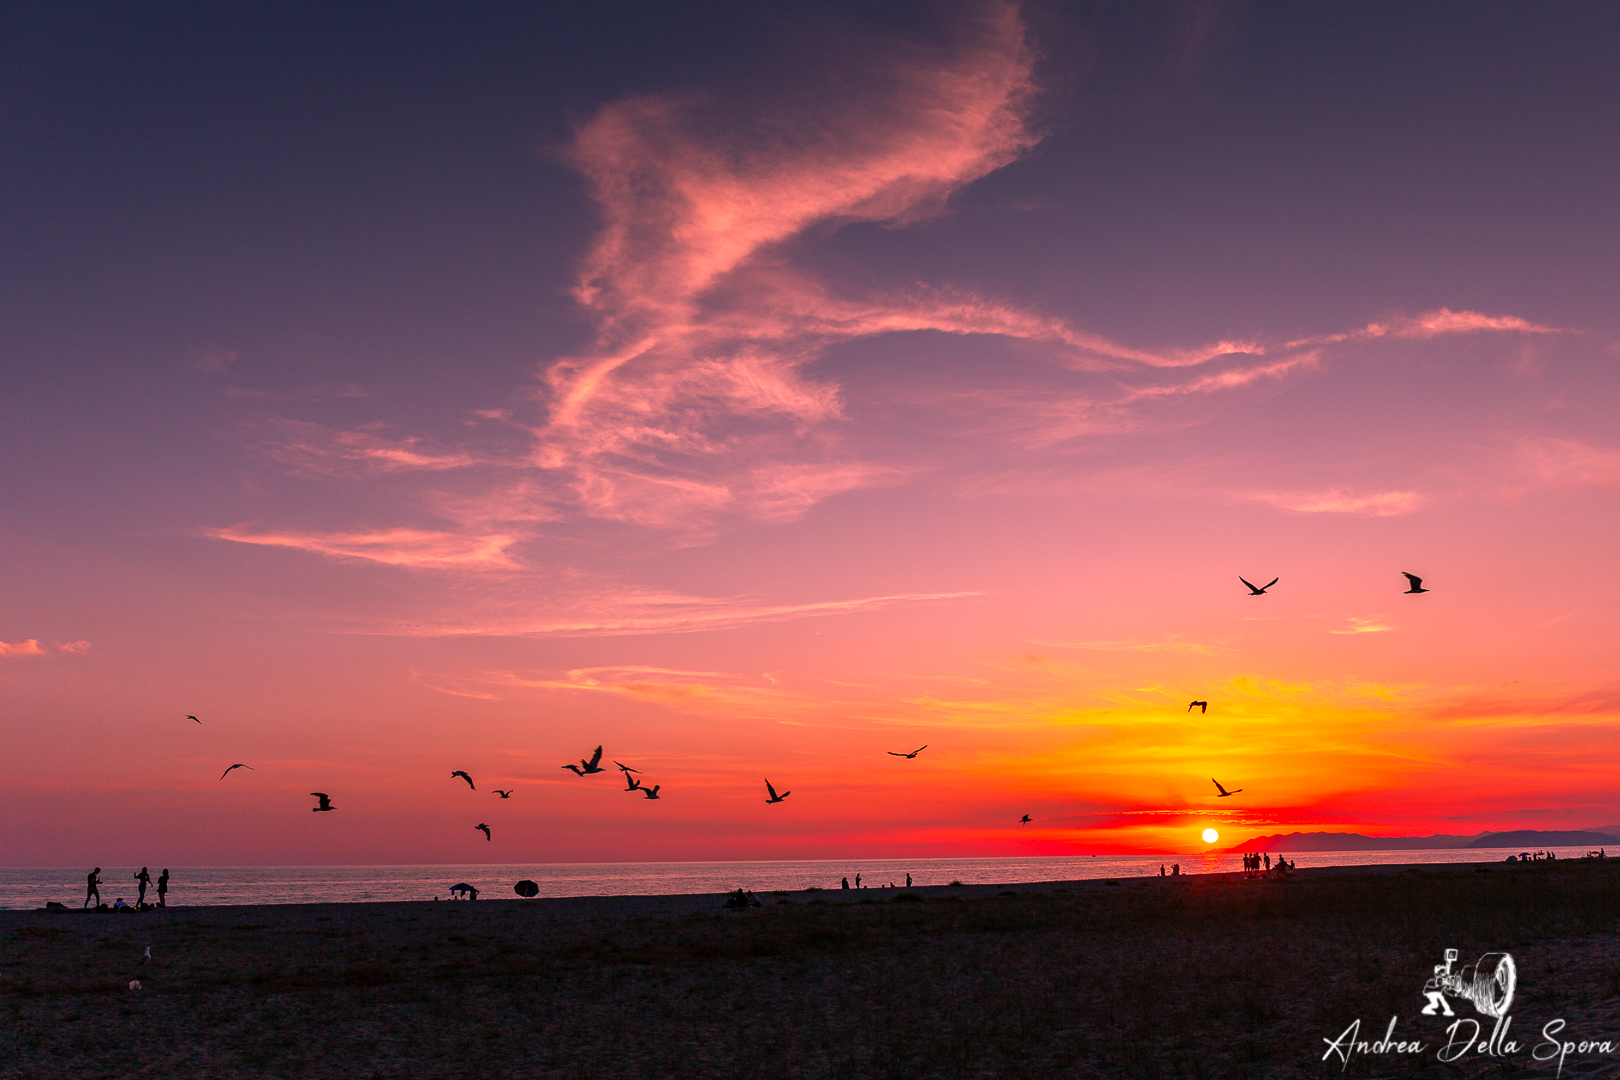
{"x": 1210, "y": 836}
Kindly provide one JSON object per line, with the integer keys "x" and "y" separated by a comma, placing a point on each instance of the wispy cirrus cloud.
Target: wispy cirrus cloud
{"x": 1432, "y": 324}
{"x": 314, "y": 448}
{"x": 1360, "y": 625}
{"x": 620, "y": 611}
{"x": 412, "y": 548}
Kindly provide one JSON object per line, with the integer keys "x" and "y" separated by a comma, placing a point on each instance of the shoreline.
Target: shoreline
{"x": 620, "y": 904}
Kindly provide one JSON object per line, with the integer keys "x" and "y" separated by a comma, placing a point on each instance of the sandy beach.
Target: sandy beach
{"x": 1203, "y": 976}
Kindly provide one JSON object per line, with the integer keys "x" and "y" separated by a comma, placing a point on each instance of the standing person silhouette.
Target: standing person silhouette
{"x": 845, "y": 885}
{"x": 908, "y": 881}
{"x": 143, "y": 879}
{"x": 163, "y": 888}
{"x": 857, "y": 881}
{"x": 90, "y": 888}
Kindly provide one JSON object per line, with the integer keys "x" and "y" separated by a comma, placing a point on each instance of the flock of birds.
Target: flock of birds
{"x": 593, "y": 765}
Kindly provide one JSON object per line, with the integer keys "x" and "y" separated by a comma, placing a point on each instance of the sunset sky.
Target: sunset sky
{"x": 758, "y": 389}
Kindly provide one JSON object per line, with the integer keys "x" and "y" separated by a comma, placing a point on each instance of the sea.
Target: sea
{"x": 193, "y": 886}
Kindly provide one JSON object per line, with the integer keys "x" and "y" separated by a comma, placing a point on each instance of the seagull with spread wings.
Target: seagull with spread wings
{"x": 465, "y": 777}
{"x": 1258, "y": 590}
{"x": 1414, "y": 582}
{"x": 586, "y": 768}
{"x": 1223, "y": 792}
{"x": 238, "y": 765}
{"x": 1025, "y": 820}
{"x": 507, "y": 794}
{"x": 326, "y": 802}
{"x": 774, "y": 796}
{"x": 484, "y": 827}
{"x": 1201, "y": 706}
{"x": 908, "y": 757}
{"x": 190, "y": 717}
{"x": 652, "y": 792}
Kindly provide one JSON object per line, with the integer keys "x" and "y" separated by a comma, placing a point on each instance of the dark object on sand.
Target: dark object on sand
{"x": 464, "y": 889}
{"x": 526, "y": 889}
{"x": 52, "y": 905}
{"x": 742, "y": 898}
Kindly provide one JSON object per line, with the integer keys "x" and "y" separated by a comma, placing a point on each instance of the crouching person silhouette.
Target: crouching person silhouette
{"x": 1438, "y": 1005}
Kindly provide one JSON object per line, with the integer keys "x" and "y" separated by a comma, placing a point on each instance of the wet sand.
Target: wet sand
{"x": 1207, "y": 975}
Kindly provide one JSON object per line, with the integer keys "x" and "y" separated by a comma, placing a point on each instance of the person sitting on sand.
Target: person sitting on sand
{"x": 163, "y": 888}
{"x": 845, "y": 885}
{"x": 119, "y": 905}
{"x": 90, "y": 888}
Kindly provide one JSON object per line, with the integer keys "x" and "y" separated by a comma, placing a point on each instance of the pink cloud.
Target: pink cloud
{"x": 412, "y": 548}
{"x": 1432, "y": 324}
{"x": 313, "y": 448}
{"x": 614, "y": 611}
{"x": 72, "y": 646}
{"x": 1563, "y": 463}
{"x": 1335, "y": 501}
{"x": 21, "y": 648}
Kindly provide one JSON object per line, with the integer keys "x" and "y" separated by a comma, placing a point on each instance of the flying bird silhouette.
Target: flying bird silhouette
{"x": 1415, "y": 583}
{"x": 190, "y": 717}
{"x": 911, "y": 755}
{"x": 1258, "y": 590}
{"x": 507, "y": 794}
{"x": 1025, "y": 820}
{"x": 625, "y": 768}
{"x": 326, "y": 801}
{"x": 465, "y": 777}
{"x": 774, "y": 796}
{"x": 238, "y": 765}
{"x": 652, "y": 792}
{"x": 630, "y": 782}
{"x": 484, "y": 827}
{"x": 1223, "y": 792}
{"x": 585, "y": 768}
{"x": 1201, "y": 706}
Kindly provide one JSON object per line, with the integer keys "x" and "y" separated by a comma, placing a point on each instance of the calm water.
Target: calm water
{"x": 30, "y": 887}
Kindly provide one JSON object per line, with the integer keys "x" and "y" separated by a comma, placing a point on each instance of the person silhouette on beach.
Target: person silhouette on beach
{"x": 143, "y": 879}
{"x": 472, "y": 893}
{"x": 908, "y": 881}
{"x": 1268, "y": 862}
{"x": 163, "y": 888}
{"x": 857, "y": 881}
{"x": 845, "y": 885}
{"x": 1161, "y": 869}
{"x": 90, "y": 887}
{"x": 1175, "y": 869}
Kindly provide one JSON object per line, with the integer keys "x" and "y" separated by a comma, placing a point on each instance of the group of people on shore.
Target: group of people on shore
{"x": 1259, "y": 864}
{"x": 142, "y": 881}
{"x": 891, "y": 885}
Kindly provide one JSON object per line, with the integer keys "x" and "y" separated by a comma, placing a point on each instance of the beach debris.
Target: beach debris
{"x": 1223, "y": 792}
{"x": 1258, "y": 590}
{"x": 326, "y": 801}
{"x": 507, "y": 794}
{"x": 908, "y": 757}
{"x": 134, "y": 984}
{"x": 238, "y": 765}
{"x": 465, "y": 777}
{"x": 526, "y": 889}
{"x": 774, "y": 796}
{"x": 484, "y": 827}
{"x": 1415, "y": 583}
{"x": 585, "y": 768}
